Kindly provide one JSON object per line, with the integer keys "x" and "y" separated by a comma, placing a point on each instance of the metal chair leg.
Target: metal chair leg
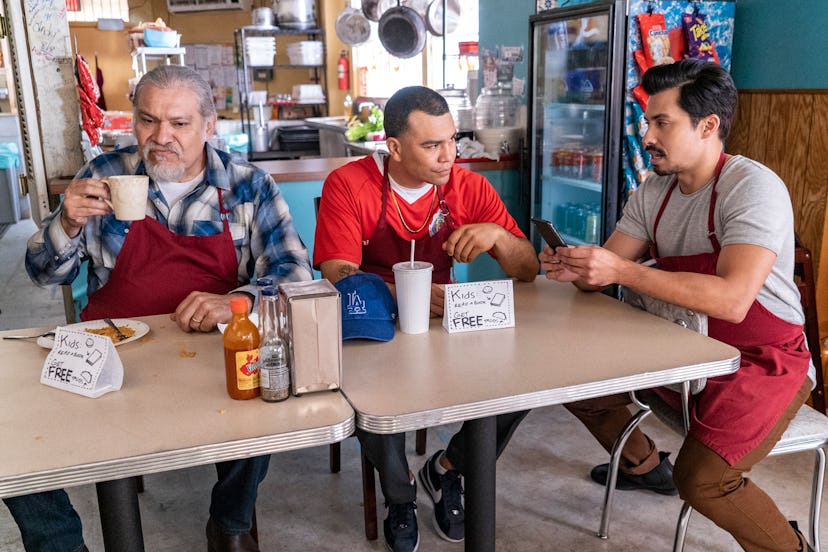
{"x": 615, "y": 459}
{"x": 681, "y": 527}
{"x": 816, "y": 497}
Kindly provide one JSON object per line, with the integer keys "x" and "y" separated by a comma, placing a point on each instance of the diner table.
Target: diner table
{"x": 172, "y": 412}
{"x": 566, "y": 345}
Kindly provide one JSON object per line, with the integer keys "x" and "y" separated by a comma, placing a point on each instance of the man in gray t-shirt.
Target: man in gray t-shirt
{"x": 719, "y": 229}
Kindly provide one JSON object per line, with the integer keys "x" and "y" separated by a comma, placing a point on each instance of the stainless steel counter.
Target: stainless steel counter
{"x": 331, "y": 135}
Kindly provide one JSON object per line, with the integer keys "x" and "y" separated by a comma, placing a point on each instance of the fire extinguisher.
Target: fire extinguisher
{"x": 343, "y": 70}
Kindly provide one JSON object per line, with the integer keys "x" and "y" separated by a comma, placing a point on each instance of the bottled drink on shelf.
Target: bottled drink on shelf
{"x": 349, "y": 107}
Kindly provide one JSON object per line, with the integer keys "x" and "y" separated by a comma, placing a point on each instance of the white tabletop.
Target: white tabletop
{"x": 566, "y": 345}
{"x": 172, "y": 412}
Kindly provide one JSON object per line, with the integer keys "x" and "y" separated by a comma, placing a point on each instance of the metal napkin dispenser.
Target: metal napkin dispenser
{"x": 311, "y": 322}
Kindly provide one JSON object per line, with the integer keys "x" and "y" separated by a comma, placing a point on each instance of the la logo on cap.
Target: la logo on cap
{"x": 356, "y": 305}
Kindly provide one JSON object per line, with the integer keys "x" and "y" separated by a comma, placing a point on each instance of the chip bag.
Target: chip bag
{"x": 678, "y": 43}
{"x": 699, "y": 44}
{"x": 655, "y": 39}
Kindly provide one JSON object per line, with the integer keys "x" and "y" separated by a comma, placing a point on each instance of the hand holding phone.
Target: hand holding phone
{"x": 549, "y": 233}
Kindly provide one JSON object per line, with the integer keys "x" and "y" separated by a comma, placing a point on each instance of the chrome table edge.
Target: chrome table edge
{"x": 72, "y": 476}
{"x": 389, "y": 424}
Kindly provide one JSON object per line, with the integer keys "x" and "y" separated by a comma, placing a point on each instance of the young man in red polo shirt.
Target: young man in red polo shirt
{"x": 370, "y": 211}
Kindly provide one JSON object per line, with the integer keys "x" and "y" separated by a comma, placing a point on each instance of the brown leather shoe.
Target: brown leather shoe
{"x": 219, "y": 542}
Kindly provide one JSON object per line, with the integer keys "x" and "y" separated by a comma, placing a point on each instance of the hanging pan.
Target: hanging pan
{"x": 371, "y": 10}
{"x": 352, "y": 27}
{"x": 434, "y": 16}
{"x": 402, "y": 31}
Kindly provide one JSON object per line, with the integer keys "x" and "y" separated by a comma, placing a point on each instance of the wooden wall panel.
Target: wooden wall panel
{"x": 815, "y": 191}
{"x": 787, "y": 130}
{"x": 818, "y": 177}
{"x": 749, "y": 135}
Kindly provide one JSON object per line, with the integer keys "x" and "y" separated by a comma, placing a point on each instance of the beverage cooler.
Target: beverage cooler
{"x": 576, "y": 111}
{"x": 584, "y": 130}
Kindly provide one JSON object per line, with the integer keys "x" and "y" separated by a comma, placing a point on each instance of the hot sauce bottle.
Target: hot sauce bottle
{"x": 241, "y": 353}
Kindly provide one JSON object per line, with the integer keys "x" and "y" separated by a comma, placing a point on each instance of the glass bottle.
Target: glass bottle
{"x": 348, "y": 104}
{"x": 241, "y": 353}
{"x": 261, "y": 283}
{"x": 274, "y": 369}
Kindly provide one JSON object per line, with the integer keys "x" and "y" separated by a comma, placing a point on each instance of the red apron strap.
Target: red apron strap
{"x": 711, "y": 228}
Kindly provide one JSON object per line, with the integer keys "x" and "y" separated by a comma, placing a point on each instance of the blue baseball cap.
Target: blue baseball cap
{"x": 368, "y": 309}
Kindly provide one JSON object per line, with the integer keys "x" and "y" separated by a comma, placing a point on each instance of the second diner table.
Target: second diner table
{"x": 567, "y": 345}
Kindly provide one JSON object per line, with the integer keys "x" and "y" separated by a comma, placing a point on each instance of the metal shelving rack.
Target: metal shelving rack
{"x": 317, "y": 74}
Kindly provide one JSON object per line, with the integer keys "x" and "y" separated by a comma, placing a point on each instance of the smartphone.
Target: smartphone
{"x": 550, "y": 234}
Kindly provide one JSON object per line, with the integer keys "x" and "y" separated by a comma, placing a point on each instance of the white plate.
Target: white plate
{"x": 253, "y": 316}
{"x": 140, "y": 328}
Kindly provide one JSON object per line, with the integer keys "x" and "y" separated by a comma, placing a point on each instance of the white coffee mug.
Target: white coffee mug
{"x": 128, "y": 195}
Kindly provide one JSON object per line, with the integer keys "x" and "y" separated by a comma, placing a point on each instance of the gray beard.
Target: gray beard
{"x": 165, "y": 173}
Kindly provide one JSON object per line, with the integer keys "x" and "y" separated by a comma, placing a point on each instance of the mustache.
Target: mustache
{"x": 153, "y": 147}
{"x": 653, "y": 149}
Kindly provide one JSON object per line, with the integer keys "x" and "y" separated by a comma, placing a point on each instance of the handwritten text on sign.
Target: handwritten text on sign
{"x": 475, "y": 306}
{"x": 83, "y": 363}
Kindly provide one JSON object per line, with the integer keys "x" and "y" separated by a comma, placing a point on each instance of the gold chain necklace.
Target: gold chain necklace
{"x": 399, "y": 212}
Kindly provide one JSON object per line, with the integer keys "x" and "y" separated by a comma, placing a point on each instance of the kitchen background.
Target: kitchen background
{"x": 782, "y": 119}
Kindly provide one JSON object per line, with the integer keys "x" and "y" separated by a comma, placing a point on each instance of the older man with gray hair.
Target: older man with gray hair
{"x": 212, "y": 224}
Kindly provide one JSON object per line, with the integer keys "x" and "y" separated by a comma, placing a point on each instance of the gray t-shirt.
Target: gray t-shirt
{"x": 752, "y": 207}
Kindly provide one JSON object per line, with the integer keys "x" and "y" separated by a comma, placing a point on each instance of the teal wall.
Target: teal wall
{"x": 780, "y": 44}
{"x": 776, "y": 44}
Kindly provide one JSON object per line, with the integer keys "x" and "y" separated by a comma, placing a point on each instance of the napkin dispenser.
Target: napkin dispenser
{"x": 311, "y": 324}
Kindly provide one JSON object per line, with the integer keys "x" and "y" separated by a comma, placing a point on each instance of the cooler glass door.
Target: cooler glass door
{"x": 575, "y": 114}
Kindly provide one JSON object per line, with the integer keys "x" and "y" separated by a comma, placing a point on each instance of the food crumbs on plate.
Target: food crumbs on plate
{"x": 110, "y": 332}
{"x": 186, "y": 354}
{"x": 221, "y": 410}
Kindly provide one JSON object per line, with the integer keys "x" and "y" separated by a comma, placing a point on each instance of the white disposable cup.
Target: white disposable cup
{"x": 413, "y": 285}
{"x": 128, "y": 195}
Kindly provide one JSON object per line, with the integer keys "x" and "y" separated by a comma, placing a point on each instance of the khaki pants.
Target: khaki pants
{"x": 704, "y": 480}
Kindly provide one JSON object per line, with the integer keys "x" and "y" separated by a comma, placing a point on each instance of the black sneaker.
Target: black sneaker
{"x": 799, "y": 534}
{"x": 446, "y": 492}
{"x": 400, "y": 528}
{"x": 658, "y": 479}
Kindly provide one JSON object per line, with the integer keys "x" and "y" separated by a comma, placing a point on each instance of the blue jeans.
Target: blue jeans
{"x": 234, "y": 494}
{"x": 49, "y": 523}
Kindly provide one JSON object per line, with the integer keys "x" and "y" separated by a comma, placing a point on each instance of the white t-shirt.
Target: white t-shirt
{"x": 173, "y": 191}
{"x": 753, "y": 207}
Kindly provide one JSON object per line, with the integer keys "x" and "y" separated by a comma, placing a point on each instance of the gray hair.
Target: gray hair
{"x": 177, "y": 76}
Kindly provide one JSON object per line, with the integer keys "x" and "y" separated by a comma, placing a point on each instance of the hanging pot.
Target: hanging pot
{"x": 352, "y": 27}
{"x": 295, "y": 14}
{"x": 402, "y": 31}
{"x": 434, "y": 16}
{"x": 370, "y": 9}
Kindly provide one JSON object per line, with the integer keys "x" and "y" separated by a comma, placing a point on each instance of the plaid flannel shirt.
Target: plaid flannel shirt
{"x": 265, "y": 239}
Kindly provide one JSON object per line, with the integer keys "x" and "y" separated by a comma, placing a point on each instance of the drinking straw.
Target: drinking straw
{"x": 412, "y": 253}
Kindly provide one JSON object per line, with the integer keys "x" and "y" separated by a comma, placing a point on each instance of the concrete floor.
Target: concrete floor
{"x": 546, "y": 501}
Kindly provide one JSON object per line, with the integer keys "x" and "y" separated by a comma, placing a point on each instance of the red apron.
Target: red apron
{"x": 734, "y": 413}
{"x": 386, "y": 247}
{"x": 156, "y": 269}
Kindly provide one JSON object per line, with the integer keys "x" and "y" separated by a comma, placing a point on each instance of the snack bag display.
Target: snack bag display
{"x": 696, "y": 33}
{"x": 678, "y": 44}
{"x": 655, "y": 39}
{"x": 641, "y": 97}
